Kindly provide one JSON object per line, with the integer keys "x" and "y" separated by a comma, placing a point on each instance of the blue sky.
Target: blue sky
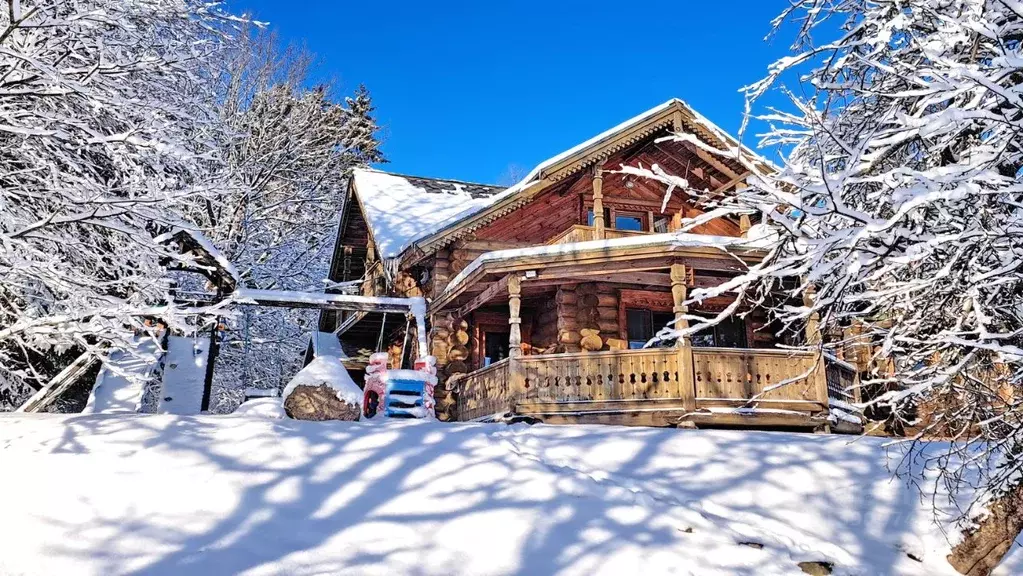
{"x": 482, "y": 91}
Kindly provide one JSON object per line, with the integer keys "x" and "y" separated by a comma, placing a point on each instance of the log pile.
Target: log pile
{"x": 319, "y": 403}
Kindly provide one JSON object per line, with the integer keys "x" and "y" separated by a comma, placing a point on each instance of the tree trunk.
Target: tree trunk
{"x": 983, "y": 548}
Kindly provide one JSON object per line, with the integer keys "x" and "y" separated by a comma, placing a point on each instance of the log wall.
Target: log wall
{"x": 596, "y": 313}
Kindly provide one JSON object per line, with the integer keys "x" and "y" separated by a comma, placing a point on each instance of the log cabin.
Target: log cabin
{"x": 545, "y": 297}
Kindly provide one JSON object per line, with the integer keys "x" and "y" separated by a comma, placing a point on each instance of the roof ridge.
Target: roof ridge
{"x": 452, "y": 180}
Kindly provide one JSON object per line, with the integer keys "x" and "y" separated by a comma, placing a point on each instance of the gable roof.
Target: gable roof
{"x": 401, "y": 210}
{"x": 452, "y": 219}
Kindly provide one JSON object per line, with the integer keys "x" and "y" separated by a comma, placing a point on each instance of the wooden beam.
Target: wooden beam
{"x": 483, "y": 297}
{"x": 737, "y": 180}
{"x": 349, "y": 322}
{"x": 651, "y": 279}
{"x": 58, "y": 384}
{"x": 717, "y": 164}
{"x": 598, "y": 204}
{"x": 321, "y": 301}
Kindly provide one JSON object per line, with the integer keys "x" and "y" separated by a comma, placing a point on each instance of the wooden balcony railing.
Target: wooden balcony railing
{"x": 612, "y": 375}
{"x": 484, "y": 392}
{"x": 581, "y": 233}
{"x": 683, "y": 379}
{"x": 763, "y": 374}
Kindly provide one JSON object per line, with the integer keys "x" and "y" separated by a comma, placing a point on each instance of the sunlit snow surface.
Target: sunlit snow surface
{"x": 236, "y": 494}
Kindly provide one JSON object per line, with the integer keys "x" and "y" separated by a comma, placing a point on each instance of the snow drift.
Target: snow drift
{"x": 233, "y": 494}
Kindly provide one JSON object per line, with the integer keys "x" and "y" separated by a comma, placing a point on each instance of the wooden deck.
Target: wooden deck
{"x": 653, "y": 387}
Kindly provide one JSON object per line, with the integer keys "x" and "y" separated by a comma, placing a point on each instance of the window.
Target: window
{"x": 629, "y": 221}
{"x": 729, "y": 333}
{"x": 589, "y": 216}
{"x": 495, "y": 346}
{"x": 661, "y": 224}
{"x": 641, "y": 325}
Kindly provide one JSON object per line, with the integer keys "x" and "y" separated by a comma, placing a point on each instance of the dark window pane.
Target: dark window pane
{"x": 638, "y": 327}
{"x": 662, "y": 320}
{"x": 703, "y": 339}
{"x": 496, "y": 344}
{"x": 607, "y": 217}
{"x": 731, "y": 333}
{"x": 628, "y": 222}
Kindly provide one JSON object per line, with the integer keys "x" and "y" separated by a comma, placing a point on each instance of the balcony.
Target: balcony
{"x": 659, "y": 386}
{"x": 582, "y": 233}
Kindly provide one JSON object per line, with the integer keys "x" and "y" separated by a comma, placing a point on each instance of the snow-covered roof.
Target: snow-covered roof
{"x": 403, "y": 209}
{"x": 669, "y": 240}
{"x": 207, "y": 246}
{"x": 327, "y": 344}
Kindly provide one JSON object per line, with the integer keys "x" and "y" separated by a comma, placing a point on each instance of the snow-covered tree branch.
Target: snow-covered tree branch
{"x": 900, "y": 203}
{"x": 289, "y": 153}
{"x": 107, "y": 124}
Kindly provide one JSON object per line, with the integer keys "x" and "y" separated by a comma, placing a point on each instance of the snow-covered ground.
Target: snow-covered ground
{"x": 184, "y": 375}
{"x": 235, "y": 494}
{"x": 121, "y": 382}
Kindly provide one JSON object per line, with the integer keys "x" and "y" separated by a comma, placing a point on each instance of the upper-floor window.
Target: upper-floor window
{"x": 661, "y": 224}
{"x": 623, "y": 220}
{"x": 589, "y": 217}
{"x": 629, "y": 221}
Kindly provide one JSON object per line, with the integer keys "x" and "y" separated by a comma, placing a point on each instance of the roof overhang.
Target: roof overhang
{"x": 642, "y": 261}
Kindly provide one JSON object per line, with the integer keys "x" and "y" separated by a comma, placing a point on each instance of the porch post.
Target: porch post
{"x": 813, "y": 323}
{"x": 598, "y": 204}
{"x": 684, "y": 346}
{"x": 516, "y": 374}
{"x": 514, "y": 320}
{"x": 813, "y": 338}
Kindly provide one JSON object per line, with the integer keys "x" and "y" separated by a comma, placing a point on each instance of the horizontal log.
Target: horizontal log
{"x": 566, "y": 297}
{"x": 456, "y": 367}
{"x": 569, "y": 336}
{"x": 457, "y": 353}
{"x": 592, "y": 342}
{"x": 567, "y": 324}
{"x": 317, "y": 300}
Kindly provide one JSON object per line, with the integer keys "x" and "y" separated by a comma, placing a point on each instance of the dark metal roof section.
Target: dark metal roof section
{"x": 441, "y": 186}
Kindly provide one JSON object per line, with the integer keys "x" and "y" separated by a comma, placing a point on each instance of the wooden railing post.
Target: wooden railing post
{"x": 516, "y": 373}
{"x": 684, "y": 345}
{"x": 598, "y": 204}
{"x": 813, "y": 338}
